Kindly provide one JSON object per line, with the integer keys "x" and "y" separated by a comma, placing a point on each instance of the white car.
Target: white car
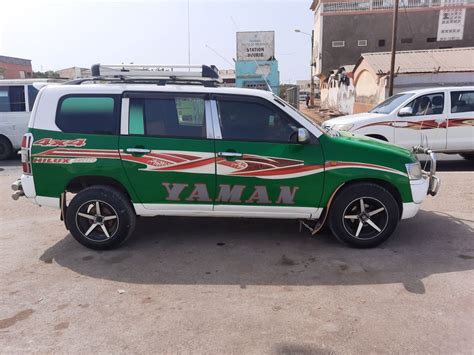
{"x": 17, "y": 97}
{"x": 439, "y": 118}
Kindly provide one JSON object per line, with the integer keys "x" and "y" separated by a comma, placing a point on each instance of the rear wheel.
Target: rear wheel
{"x": 364, "y": 215}
{"x": 6, "y": 149}
{"x": 100, "y": 217}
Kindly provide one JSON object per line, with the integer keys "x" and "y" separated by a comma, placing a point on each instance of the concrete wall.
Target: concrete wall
{"x": 418, "y": 25}
{"x": 15, "y": 71}
{"x": 338, "y": 97}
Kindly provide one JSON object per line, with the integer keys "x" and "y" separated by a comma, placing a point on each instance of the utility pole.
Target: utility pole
{"x": 189, "y": 40}
{"x": 311, "y": 72}
{"x": 394, "y": 48}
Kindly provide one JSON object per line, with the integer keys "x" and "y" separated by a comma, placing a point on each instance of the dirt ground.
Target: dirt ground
{"x": 242, "y": 286}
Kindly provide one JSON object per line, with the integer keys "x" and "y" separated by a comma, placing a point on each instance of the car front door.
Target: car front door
{"x": 262, "y": 171}
{"x": 426, "y": 125}
{"x": 461, "y": 121}
{"x": 167, "y": 153}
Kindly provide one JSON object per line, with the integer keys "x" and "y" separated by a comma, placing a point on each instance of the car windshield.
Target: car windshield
{"x": 391, "y": 103}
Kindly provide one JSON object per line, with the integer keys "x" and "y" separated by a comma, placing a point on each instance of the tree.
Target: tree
{"x": 47, "y": 74}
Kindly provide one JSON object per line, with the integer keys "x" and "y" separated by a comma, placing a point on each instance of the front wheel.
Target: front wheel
{"x": 364, "y": 215}
{"x": 100, "y": 217}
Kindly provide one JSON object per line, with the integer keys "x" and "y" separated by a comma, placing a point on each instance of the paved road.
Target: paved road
{"x": 245, "y": 286}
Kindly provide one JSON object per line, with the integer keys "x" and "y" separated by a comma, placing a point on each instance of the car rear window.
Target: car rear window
{"x": 94, "y": 114}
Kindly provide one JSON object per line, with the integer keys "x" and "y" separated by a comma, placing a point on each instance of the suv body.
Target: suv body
{"x": 17, "y": 97}
{"x": 129, "y": 150}
{"x": 441, "y": 118}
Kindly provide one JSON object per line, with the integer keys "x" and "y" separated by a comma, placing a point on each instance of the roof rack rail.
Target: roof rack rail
{"x": 154, "y": 73}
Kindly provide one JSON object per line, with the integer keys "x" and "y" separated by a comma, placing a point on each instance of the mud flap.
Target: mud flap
{"x": 62, "y": 203}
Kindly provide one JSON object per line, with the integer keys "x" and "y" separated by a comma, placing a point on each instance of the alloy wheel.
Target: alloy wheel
{"x": 97, "y": 220}
{"x": 365, "y": 218}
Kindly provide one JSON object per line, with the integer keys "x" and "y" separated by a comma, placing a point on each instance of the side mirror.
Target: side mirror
{"x": 303, "y": 135}
{"x": 406, "y": 111}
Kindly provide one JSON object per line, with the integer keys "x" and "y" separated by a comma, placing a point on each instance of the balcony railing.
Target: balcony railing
{"x": 371, "y": 5}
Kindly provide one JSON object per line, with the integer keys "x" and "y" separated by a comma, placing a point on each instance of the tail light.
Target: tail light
{"x": 26, "y": 143}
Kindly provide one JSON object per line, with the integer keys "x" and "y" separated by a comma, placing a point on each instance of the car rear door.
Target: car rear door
{"x": 426, "y": 125}
{"x": 261, "y": 169}
{"x": 167, "y": 151}
{"x": 461, "y": 121}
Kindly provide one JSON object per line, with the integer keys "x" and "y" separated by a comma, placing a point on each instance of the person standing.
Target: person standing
{"x": 307, "y": 100}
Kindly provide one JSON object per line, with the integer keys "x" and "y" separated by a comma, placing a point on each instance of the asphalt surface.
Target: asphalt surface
{"x": 206, "y": 285}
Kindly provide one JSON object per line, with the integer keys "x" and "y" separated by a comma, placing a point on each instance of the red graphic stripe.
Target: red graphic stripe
{"x": 280, "y": 171}
{"x": 190, "y": 165}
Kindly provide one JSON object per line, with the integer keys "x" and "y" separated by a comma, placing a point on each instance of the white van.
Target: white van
{"x": 16, "y": 102}
{"x": 440, "y": 118}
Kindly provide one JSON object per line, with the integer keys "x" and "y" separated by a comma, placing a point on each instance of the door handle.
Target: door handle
{"x": 137, "y": 150}
{"x": 229, "y": 155}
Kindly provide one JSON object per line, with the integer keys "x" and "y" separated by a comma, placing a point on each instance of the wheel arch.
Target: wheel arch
{"x": 383, "y": 183}
{"x": 79, "y": 183}
{"x": 377, "y": 136}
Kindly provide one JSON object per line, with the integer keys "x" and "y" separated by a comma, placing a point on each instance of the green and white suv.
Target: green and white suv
{"x": 147, "y": 141}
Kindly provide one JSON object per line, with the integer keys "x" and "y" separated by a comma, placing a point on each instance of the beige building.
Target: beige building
{"x": 74, "y": 73}
{"x": 413, "y": 70}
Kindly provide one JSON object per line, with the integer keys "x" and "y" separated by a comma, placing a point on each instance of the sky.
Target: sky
{"x": 59, "y": 34}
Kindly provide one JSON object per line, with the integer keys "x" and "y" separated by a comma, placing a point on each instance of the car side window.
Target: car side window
{"x": 88, "y": 114}
{"x": 462, "y": 101}
{"x": 12, "y": 99}
{"x": 168, "y": 117}
{"x": 242, "y": 119}
{"x": 431, "y": 104}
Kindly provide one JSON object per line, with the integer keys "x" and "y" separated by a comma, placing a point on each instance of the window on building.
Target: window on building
{"x": 338, "y": 43}
{"x": 88, "y": 114}
{"x": 12, "y": 99}
{"x": 362, "y": 43}
{"x": 381, "y": 43}
{"x": 407, "y": 40}
{"x": 431, "y": 39}
{"x": 168, "y": 117}
{"x": 462, "y": 101}
{"x": 253, "y": 120}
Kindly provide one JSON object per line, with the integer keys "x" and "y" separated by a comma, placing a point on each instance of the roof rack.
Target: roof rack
{"x": 156, "y": 74}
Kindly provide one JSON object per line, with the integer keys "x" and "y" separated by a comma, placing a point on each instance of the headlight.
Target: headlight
{"x": 343, "y": 127}
{"x": 414, "y": 171}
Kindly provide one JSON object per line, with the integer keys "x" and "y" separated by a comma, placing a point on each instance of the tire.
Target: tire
{"x": 6, "y": 149}
{"x": 116, "y": 217}
{"x": 468, "y": 156}
{"x": 359, "y": 231}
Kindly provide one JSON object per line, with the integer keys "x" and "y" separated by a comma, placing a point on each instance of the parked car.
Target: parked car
{"x": 16, "y": 102}
{"x": 441, "y": 118}
{"x": 127, "y": 147}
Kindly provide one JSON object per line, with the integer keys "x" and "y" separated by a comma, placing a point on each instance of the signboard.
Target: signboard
{"x": 451, "y": 21}
{"x": 256, "y": 45}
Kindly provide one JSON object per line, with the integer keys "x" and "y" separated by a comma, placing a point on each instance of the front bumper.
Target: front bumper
{"x": 429, "y": 184}
{"x": 434, "y": 182}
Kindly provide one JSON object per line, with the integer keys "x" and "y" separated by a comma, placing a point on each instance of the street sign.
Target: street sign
{"x": 258, "y": 45}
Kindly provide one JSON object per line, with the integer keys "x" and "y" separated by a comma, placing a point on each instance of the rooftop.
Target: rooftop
{"x": 422, "y": 61}
{"x": 14, "y": 60}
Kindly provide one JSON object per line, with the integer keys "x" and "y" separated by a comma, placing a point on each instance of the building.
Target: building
{"x": 344, "y": 29}
{"x": 414, "y": 70}
{"x": 256, "y": 66}
{"x": 304, "y": 86}
{"x": 366, "y": 84}
{"x": 74, "y": 73}
{"x": 227, "y": 76}
{"x": 15, "y": 68}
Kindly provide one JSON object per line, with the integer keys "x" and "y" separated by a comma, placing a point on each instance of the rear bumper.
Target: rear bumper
{"x": 25, "y": 186}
